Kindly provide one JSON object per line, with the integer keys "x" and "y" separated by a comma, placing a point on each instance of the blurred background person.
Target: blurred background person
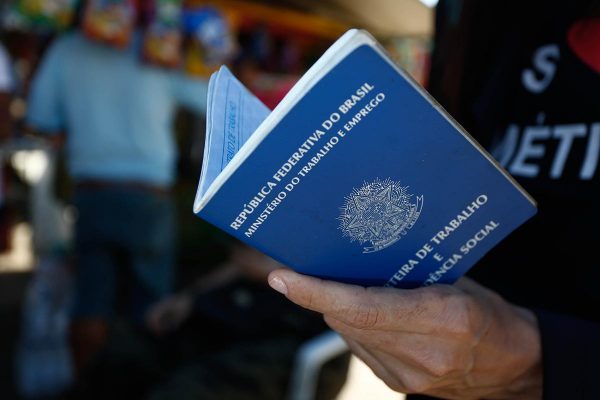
{"x": 116, "y": 114}
{"x": 226, "y": 335}
{"x": 6, "y": 91}
{"x": 249, "y": 336}
{"x": 7, "y": 87}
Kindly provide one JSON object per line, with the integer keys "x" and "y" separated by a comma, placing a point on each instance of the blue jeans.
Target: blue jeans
{"x": 124, "y": 250}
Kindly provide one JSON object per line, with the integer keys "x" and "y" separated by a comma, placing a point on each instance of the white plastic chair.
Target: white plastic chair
{"x": 310, "y": 358}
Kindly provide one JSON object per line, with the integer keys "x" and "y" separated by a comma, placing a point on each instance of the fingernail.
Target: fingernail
{"x": 278, "y": 284}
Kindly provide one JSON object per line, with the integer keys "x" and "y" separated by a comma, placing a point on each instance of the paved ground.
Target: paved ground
{"x": 363, "y": 384}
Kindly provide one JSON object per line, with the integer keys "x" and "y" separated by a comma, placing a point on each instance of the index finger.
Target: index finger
{"x": 412, "y": 310}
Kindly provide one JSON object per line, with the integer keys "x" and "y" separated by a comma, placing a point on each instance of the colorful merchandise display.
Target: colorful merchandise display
{"x": 163, "y": 36}
{"x": 211, "y": 41}
{"x": 110, "y": 21}
{"x": 39, "y": 15}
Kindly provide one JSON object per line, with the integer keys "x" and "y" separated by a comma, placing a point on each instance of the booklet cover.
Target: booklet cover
{"x": 358, "y": 175}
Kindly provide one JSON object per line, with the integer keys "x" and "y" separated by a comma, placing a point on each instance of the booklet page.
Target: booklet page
{"x": 233, "y": 115}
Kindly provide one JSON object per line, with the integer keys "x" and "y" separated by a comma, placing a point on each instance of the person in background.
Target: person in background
{"x": 226, "y": 335}
{"x": 6, "y": 125}
{"x": 6, "y": 93}
{"x": 524, "y": 78}
{"x": 116, "y": 114}
{"x": 250, "y": 336}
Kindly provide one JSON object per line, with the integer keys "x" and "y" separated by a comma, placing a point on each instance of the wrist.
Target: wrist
{"x": 527, "y": 382}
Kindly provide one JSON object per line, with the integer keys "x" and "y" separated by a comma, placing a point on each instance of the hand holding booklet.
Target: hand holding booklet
{"x": 357, "y": 176}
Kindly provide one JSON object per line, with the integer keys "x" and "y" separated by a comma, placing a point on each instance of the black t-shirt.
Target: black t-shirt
{"x": 548, "y": 138}
{"x": 524, "y": 79}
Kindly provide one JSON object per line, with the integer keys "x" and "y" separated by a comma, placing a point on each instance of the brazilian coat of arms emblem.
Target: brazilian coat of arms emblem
{"x": 379, "y": 213}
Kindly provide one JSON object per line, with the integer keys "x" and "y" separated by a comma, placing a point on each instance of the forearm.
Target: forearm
{"x": 509, "y": 365}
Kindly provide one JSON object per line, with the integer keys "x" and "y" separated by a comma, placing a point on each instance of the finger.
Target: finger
{"x": 380, "y": 339}
{"x": 432, "y": 355}
{"x": 366, "y": 308}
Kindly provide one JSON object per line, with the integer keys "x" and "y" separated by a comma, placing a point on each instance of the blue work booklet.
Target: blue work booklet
{"x": 358, "y": 175}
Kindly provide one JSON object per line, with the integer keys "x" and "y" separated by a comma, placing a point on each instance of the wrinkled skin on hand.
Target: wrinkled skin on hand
{"x": 456, "y": 342}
